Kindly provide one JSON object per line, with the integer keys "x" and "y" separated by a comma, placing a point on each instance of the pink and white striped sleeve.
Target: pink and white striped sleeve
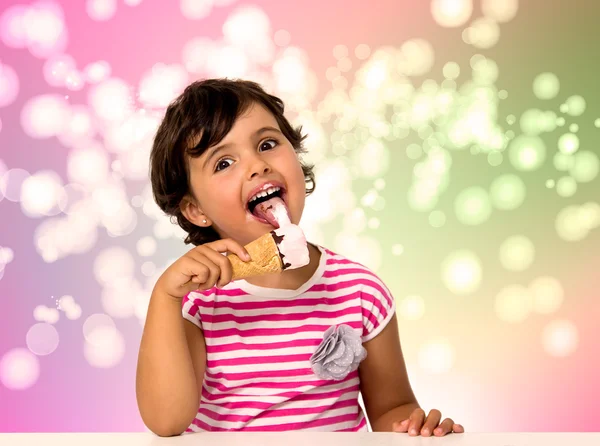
{"x": 190, "y": 306}
{"x": 378, "y": 307}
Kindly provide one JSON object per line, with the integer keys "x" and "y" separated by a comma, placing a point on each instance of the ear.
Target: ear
{"x": 190, "y": 210}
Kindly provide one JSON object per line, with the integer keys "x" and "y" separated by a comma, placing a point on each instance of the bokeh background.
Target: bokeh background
{"x": 456, "y": 145}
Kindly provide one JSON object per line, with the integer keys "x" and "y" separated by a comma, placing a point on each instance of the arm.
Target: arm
{"x": 384, "y": 382}
{"x": 170, "y": 370}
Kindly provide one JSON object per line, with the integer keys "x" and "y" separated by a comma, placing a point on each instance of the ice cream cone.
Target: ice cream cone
{"x": 265, "y": 259}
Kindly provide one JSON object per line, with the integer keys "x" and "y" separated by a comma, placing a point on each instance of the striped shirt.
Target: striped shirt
{"x": 259, "y": 342}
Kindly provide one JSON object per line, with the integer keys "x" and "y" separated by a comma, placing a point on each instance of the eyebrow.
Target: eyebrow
{"x": 221, "y": 147}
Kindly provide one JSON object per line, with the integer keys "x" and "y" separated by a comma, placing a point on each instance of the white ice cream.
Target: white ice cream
{"x": 281, "y": 215}
{"x": 293, "y": 248}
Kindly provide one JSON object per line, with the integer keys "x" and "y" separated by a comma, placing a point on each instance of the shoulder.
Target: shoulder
{"x": 196, "y": 302}
{"x": 340, "y": 265}
{"x": 231, "y": 290}
{"x": 198, "y": 296}
{"x": 376, "y": 300}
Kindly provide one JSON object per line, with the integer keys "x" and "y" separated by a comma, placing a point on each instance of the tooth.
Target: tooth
{"x": 264, "y": 193}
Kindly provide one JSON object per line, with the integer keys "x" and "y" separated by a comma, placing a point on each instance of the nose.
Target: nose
{"x": 258, "y": 167}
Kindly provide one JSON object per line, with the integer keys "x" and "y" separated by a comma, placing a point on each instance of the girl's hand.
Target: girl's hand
{"x": 201, "y": 268}
{"x": 417, "y": 424}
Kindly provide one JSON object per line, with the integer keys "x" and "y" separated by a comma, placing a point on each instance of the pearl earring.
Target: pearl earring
{"x": 203, "y": 221}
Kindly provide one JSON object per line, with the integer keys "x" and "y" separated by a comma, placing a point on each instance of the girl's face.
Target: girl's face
{"x": 254, "y": 152}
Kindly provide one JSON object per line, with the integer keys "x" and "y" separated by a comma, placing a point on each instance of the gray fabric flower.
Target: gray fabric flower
{"x": 339, "y": 353}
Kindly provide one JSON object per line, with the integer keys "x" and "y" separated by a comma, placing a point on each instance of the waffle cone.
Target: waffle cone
{"x": 265, "y": 259}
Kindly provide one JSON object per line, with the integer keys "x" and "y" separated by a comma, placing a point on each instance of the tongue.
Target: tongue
{"x": 274, "y": 211}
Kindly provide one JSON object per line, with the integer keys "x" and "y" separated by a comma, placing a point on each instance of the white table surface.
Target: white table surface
{"x": 300, "y": 439}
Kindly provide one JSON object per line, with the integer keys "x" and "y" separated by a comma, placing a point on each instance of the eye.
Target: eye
{"x": 267, "y": 144}
{"x": 222, "y": 163}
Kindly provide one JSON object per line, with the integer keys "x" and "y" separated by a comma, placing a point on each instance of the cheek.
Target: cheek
{"x": 294, "y": 166}
{"x": 227, "y": 199}
{"x": 300, "y": 186}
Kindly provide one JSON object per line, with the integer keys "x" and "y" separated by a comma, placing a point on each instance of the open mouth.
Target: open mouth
{"x": 280, "y": 192}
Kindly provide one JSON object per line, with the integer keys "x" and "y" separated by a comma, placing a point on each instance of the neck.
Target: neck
{"x": 293, "y": 278}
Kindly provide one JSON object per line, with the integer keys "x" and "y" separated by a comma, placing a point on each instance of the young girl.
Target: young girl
{"x": 288, "y": 351}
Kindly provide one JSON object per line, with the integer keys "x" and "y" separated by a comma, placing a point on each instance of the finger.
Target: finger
{"x": 224, "y": 265}
{"x": 401, "y": 426}
{"x": 444, "y": 427}
{"x": 431, "y": 422}
{"x": 193, "y": 272}
{"x": 214, "y": 273}
{"x": 229, "y": 245}
{"x": 416, "y": 421}
{"x": 191, "y": 267}
{"x": 207, "y": 280}
{"x": 458, "y": 428}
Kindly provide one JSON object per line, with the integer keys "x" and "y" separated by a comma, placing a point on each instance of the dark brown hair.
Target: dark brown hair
{"x": 207, "y": 109}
